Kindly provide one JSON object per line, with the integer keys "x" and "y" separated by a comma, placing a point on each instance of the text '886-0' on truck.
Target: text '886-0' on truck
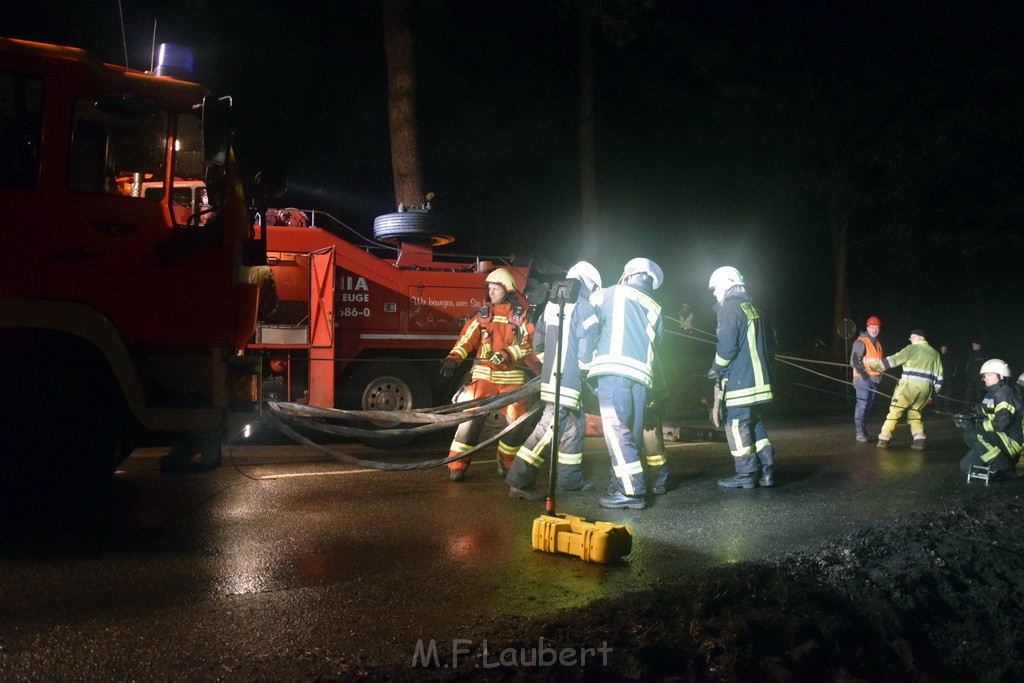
{"x": 122, "y": 309}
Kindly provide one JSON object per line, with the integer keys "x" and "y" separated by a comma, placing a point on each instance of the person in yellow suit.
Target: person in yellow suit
{"x": 922, "y": 376}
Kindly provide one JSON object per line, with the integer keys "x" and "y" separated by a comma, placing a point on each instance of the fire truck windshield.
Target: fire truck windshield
{"x": 121, "y": 149}
{"x": 114, "y": 151}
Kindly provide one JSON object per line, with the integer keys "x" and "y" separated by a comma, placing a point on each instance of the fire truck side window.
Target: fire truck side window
{"x": 21, "y": 100}
{"x": 189, "y": 162}
{"x": 116, "y": 146}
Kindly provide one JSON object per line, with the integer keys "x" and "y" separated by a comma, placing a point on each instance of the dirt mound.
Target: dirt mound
{"x": 938, "y": 594}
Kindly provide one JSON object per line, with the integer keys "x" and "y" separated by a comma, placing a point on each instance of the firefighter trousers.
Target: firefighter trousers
{"x": 654, "y": 462}
{"x": 748, "y": 440}
{"x": 994, "y": 449}
{"x": 909, "y": 398}
{"x": 865, "y": 389}
{"x": 622, "y": 416}
{"x": 532, "y": 454}
{"x": 468, "y": 433}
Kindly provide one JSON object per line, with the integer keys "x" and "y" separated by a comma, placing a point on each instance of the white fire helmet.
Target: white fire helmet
{"x": 722, "y": 280}
{"x": 587, "y": 274}
{"x": 997, "y": 366}
{"x": 647, "y": 267}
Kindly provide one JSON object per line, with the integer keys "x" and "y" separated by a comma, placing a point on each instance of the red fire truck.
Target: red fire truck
{"x": 363, "y": 323}
{"x": 120, "y": 310}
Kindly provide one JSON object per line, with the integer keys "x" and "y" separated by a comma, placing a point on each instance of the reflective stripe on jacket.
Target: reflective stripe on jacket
{"x": 921, "y": 363}
{"x": 631, "y": 326}
{"x": 1002, "y": 410}
{"x": 865, "y": 350}
{"x": 580, "y": 329}
{"x": 741, "y": 355}
{"x": 500, "y": 327}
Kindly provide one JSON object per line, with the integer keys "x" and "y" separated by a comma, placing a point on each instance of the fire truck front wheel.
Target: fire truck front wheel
{"x": 66, "y": 425}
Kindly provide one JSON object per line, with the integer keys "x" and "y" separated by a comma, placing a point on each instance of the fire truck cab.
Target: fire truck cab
{"x": 119, "y": 313}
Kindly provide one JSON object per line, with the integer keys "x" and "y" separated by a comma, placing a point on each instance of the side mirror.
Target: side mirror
{"x": 216, "y": 129}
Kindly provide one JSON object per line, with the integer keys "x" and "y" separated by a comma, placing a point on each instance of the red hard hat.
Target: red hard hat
{"x": 873, "y": 320}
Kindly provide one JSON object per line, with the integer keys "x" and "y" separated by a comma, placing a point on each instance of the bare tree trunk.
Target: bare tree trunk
{"x": 588, "y": 156}
{"x": 405, "y": 155}
{"x": 838, "y": 221}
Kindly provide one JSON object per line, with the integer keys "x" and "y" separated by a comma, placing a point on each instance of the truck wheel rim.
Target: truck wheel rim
{"x": 387, "y": 393}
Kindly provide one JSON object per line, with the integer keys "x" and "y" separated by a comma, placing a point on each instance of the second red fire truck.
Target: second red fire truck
{"x": 363, "y": 323}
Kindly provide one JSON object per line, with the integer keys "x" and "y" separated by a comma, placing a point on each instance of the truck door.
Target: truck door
{"x": 321, "y": 328}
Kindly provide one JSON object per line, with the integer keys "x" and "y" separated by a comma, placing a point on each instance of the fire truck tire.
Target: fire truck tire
{"x": 67, "y": 426}
{"x": 410, "y": 226}
{"x": 385, "y": 385}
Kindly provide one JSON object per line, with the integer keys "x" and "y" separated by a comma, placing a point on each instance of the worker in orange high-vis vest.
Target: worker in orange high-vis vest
{"x": 866, "y": 349}
{"x": 498, "y": 336}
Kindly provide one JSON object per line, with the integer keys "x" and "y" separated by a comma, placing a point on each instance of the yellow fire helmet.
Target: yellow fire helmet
{"x": 503, "y": 277}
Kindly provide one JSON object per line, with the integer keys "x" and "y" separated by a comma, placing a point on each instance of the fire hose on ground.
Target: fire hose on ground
{"x": 279, "y": 415}
{"x": 283, "y": 415}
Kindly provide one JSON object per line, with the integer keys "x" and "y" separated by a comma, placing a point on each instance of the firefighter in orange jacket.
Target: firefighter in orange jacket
{"x": 866, "y": 349}
{"x": 498, "y": 333}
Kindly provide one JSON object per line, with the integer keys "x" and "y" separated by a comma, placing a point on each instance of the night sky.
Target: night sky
{"x": 727, "y": 132}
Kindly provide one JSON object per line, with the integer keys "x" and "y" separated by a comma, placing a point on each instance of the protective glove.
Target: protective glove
{"x": 497, "y": 358}
{"x": 966, "y": 420}
{"x": 448, "y": 366}
{"x": 713, "y": 374}
{"x": 874, "y": 366}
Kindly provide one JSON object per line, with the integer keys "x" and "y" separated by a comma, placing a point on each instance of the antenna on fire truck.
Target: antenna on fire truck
{"x": 124, "y": 38}
{"x": 152, "y": 48}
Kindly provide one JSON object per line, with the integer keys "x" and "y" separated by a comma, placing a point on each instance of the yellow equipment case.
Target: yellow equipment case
{"x": 600, "y": 542}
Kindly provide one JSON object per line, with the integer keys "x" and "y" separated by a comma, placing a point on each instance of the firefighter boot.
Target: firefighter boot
{"x": 620, "y": 501}
{"x": 659, "y": 481}
{"x": 766, "y": 456}
{"x": 526, "y": 494}
{"x": 570, "y": 478}
{"x": 746, "y": 474}
{"x": 457, "y": 469}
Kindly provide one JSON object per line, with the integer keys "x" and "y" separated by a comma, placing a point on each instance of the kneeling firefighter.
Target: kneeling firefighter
{"x": 996, "y": 437}
{"x": 499, "y": 334}
{"x": 579, "y": 338}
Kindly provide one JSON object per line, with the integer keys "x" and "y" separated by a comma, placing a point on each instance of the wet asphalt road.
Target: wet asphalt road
{"x": 281, "y": 565}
